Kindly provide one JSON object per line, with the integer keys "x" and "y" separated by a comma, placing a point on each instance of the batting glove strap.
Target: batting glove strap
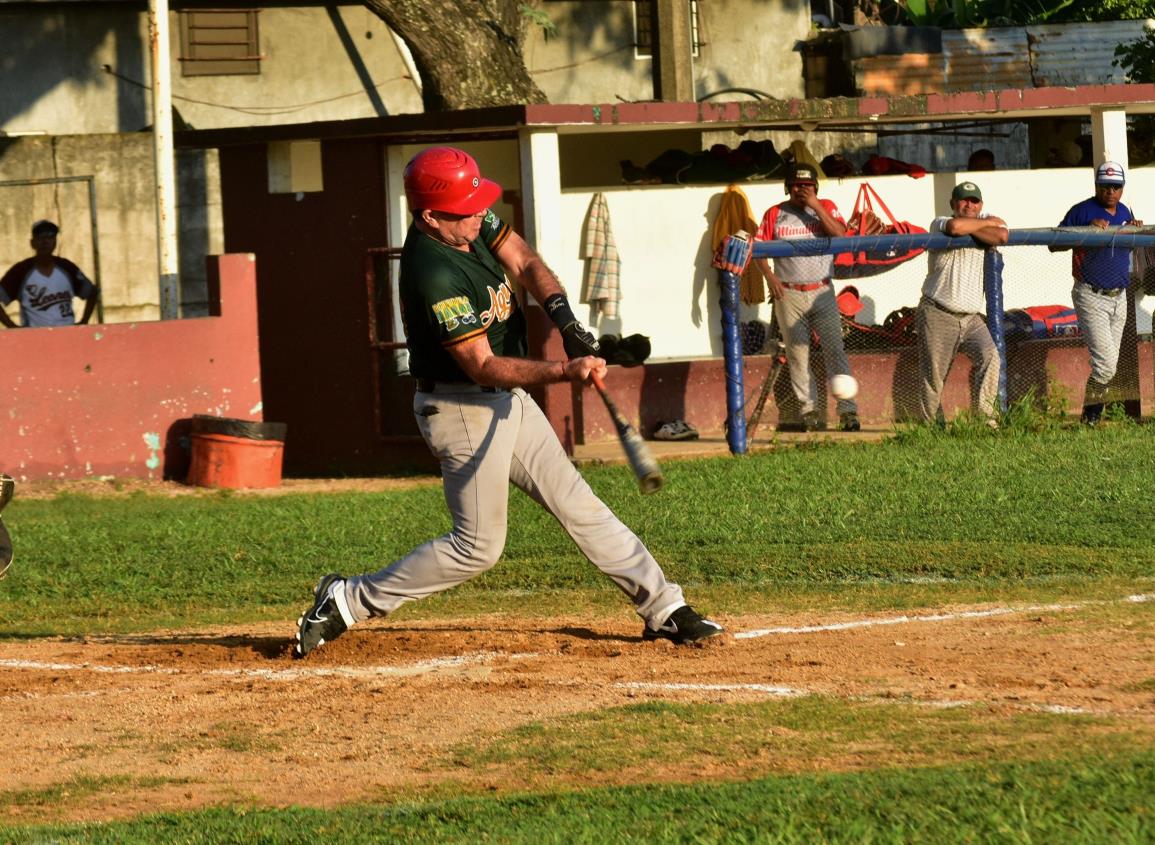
{"x": 577, "y": 340}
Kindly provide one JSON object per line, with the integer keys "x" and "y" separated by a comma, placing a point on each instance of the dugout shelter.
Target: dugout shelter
{"x": 320, "y": 205}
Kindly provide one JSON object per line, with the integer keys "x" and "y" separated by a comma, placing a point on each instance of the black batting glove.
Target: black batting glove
{"x": 577, "y": 340}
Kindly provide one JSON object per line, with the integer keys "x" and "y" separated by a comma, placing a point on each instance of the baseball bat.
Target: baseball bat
{"x": 648, "y": 473}
{"x": 767, "y": 386}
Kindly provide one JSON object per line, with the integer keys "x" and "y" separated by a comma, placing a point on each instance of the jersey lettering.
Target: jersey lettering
{"x": 43, "y": 299}
{"x": 454, "y": 311}
{"x": 500, "y": 305}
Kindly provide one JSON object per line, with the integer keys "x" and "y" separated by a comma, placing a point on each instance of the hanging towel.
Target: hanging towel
{"x": 603, "y": 266}
{"x": 735, "y": 215}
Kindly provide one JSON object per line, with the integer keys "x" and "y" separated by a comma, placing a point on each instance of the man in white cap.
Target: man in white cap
{"x": 1101, "y": 278}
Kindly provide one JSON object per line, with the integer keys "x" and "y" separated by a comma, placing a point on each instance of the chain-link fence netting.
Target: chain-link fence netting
{"x": 933, "y": 326}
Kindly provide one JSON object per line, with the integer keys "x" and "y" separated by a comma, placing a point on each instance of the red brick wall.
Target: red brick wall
{"x": 117, "y": 399}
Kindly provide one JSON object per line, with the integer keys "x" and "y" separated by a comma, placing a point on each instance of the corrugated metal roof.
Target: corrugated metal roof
{"x": 1000, "y": 58}
{"x": 986, "y": 59}
{"x": 1081, "y": 53}
{"x": 913, "y": 73}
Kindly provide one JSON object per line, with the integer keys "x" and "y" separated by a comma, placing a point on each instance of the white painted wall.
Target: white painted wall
{"x": 670, "y": 292}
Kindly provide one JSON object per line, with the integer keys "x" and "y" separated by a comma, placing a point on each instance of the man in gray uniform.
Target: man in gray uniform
{"x": 467, "y": 340}
{"x": 803, "y": 296}
{"x": 1101, "y": 278}
{"x": 950, "y": 314}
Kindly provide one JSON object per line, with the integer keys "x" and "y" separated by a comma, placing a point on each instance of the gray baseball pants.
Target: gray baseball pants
{"x": 941, "y": 334}
{"x": 798, "y": 312}
{"x": 1101, "y": 322}
{"x": 484, "y": 441}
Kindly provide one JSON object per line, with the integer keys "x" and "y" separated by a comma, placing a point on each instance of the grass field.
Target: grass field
{"x": 927, "y": 520}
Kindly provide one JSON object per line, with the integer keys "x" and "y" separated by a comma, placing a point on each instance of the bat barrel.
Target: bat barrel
{"x": 652, "y": 482}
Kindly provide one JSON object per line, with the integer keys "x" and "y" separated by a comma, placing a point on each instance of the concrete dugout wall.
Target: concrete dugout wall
{"x": 116, "y": 400}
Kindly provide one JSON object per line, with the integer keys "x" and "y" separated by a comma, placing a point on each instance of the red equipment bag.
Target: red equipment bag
{"x": 866, "y": 220}
{"x": 1041, "y": 321}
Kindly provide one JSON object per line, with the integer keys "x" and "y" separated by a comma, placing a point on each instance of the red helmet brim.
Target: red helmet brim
{"x": 486, "y": 194}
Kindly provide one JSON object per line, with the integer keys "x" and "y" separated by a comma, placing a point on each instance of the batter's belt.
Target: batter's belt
{"x": 427, "y": 385}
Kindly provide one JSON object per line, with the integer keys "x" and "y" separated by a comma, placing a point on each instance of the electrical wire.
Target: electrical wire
{"x": 255, "y": 110}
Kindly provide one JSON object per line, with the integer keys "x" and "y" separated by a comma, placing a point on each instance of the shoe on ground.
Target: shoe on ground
{"x": 676, "y": 430}
{"x": 992, "y": 423}
{"x": 849, "y": 422}
{"x": 1092, "y": 414}
{"x": 791, "y": 426}
{"x": 684, "y": 625}
{"x": 813, "y": 422}
{"x": 321, "y": 623}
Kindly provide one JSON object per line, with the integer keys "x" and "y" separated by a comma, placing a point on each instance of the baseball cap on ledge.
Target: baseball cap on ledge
{"x": 1109, "y": 173}
{"x": 44, "y": 227}
{"x": 966, "y": 191}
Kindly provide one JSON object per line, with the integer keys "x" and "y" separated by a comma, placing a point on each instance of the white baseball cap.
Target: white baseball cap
{"x": 1109, "y": 173}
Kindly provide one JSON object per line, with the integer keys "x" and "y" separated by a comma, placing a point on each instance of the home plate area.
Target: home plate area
{"x": 225, "y": 714}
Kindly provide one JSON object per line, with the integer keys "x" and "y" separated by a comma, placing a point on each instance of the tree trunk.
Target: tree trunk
{"x": 468, "y": 52}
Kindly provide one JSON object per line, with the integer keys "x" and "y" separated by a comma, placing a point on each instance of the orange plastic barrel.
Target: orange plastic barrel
{"x": 219, "y": 460}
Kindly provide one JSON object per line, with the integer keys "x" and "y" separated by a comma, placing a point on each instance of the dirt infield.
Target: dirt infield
{"x": 190, "y": 719}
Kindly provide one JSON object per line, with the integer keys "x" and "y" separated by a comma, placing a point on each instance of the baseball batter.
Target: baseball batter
{"x": 466, "y": 334}
{"x": 802, "y": 293}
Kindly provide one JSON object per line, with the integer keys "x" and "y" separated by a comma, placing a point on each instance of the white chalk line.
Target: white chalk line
{"x": 768, "y": 689}
{"x": 932, "y": 617}
{"x": 792, "y": 692}
{"x": 425, "y": 667}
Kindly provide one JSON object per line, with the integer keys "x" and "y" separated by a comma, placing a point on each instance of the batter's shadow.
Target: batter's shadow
{"x": 268, "y": 647}
{"x": 591, "y": 635}
{"x": 566, "y": 631}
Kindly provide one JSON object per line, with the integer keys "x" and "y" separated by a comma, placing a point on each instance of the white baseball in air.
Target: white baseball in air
{"x": 844, "y": 386}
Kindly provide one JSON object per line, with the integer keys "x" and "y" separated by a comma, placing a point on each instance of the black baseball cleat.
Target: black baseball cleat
{"x": 1092, "y": 414}
{"x": 322, "y": 622}
{"x": 685, "y": 625}
{"x": 849, "y": 422}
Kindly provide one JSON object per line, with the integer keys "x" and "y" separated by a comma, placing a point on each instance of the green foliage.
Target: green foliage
{"x": 953, "y": 14}
{"x": 539, "y": 18}
{"x": 1137, "y": 58}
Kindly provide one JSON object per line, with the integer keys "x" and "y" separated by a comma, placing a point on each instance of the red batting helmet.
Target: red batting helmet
{"x": 447, "y": 179}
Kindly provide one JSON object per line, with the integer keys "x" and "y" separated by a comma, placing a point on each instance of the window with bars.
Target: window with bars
{"x": 644, "y": 28}
{"x": 217, "y": 42}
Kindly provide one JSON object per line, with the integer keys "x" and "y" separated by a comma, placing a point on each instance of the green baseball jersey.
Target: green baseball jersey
{"x": 450, "y": 297}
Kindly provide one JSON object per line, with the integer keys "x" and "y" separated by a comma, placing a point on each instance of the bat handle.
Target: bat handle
{"x": 598, "y": 383}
